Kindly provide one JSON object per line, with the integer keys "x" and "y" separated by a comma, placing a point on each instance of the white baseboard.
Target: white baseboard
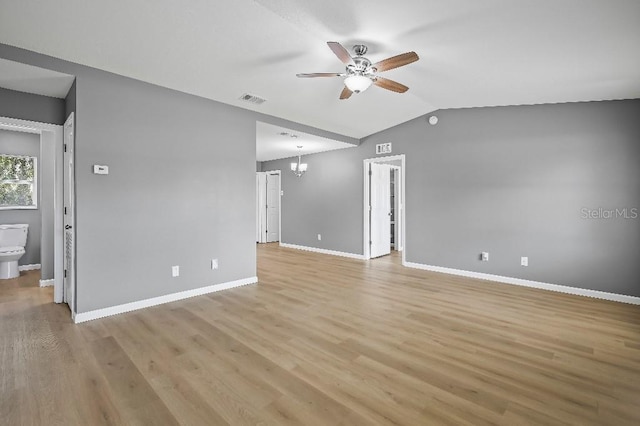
{"x": 29, "y": 267}
{"x": 133, "y": 306}
{"x": 46, "y": 283}
{"x": 527, "y": 283}
{"x": 324, "y": 251}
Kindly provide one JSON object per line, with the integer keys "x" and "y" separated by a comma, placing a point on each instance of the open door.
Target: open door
{"x": 69, "y": 217}
{"x": 380, "y": 209}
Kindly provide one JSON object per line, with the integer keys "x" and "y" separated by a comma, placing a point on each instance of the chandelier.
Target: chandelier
{"x": 299, "y": 168}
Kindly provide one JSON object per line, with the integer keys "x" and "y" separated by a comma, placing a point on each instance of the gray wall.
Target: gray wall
{"x": 176, "y": 194}
{"x": 47, "y": 204}
{"x": 508, "y": 180}
{"x": 27, "y": 106}
{"x": 19, "y": 143}
{"x": 327, "y": 200}
{"x": 181, "y": 188}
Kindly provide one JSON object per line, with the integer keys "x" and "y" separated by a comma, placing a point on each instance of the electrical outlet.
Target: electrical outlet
{"x": 524, "y": 261}
{"x": 214, "y": 263}
{"x": 319, "y": 237}
{"x": 175, "y": 271}
{"x": 484, "y": 256}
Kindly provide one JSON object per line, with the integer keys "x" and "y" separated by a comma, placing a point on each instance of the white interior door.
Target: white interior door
{"x": 261, "y": 207}
{"x": 69, "y": 232}
{"x": 273, "y": 207}
{"x": 380, "y": 208}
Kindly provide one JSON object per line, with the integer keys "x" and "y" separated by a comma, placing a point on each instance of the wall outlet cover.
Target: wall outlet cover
{"x": 484, "y": 256}
{"x": 319, "y": 237}
{"x": 175, "y": 271}
{"x": 214, "y": 263}
{"x": 524, "y": 261}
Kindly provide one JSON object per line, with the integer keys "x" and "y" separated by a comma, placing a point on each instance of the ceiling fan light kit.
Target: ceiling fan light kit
{"x": 357, "y": 83}
{"x": 360, "y": 73}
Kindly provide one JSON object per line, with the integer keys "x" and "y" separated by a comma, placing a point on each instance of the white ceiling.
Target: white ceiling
{"x": 26, "y": 78}
{"x": 272, "y": 144}
{"x": 472, "y": 53}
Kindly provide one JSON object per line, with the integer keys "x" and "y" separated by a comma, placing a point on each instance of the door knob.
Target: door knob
{"x": 68, "y": 227}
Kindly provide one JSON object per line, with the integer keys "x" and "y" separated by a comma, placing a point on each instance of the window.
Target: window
{"x": 18, "y": 182}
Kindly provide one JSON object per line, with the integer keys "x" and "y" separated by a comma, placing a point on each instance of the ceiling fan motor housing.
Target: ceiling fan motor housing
{"x": 360, "y": 66}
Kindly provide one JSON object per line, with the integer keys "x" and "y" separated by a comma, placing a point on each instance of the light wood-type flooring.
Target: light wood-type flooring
{"x": 325, "y": 340}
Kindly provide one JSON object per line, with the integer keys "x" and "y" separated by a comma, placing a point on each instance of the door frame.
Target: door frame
{"x": 397, "y": 188}
{"x": 259, "y": 219}
{"x": 70, "y": 299}
{"x": 367, "y": 190}
{"x": 49, "y": 134}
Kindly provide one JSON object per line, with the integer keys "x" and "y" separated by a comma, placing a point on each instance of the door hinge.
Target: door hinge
{"x": 65, "y": 147}
{"x": 370, "y": 173}
{"x": 65, "y": 273}
{"x": 65, "y": 210}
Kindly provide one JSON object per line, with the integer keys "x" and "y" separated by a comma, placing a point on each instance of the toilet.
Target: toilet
{"x": 13, "y": 238}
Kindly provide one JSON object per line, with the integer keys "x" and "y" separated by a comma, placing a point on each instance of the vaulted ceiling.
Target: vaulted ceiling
{"x": 472, "y": 53}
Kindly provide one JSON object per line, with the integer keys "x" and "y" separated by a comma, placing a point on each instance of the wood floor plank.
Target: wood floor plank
{"x": 134, "y": 394}
{"x": 324, "y": 340}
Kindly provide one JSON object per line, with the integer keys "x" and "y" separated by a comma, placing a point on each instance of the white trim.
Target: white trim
{"x": 324, "y": 251}
{"x": 527, "y": 283}
{"x": 46, "y": 283}
{"x": 32, "y": 267}
{"x": 146, "y": 303}
{"x": 403, "y": 201}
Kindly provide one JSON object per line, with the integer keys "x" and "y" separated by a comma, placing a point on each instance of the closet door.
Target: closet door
{"x": 273, "y": 207}
{"x": 380, "y": 209}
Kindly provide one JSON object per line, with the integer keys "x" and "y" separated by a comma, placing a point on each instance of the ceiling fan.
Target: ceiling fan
{"x": 361, "y": 73}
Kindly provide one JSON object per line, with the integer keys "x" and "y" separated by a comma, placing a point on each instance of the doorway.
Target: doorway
{"x": 384, "y": 206}
{"x": 51, "y": 146}
{"x": 268, "y": 192}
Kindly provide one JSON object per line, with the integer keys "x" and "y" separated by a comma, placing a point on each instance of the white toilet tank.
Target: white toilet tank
{"x": 13, "y": 235}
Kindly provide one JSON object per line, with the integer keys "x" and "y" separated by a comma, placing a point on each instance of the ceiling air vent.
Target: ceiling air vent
{"x": 253, "y": 99}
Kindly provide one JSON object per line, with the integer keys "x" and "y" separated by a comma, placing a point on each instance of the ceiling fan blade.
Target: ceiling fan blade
{"x": 319, "y": 74}
{"x": 394, "y": 86}
{"x": 340, "y": 52}
{"x": 396, "y": 61}
{"x": 346, "y": 93}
